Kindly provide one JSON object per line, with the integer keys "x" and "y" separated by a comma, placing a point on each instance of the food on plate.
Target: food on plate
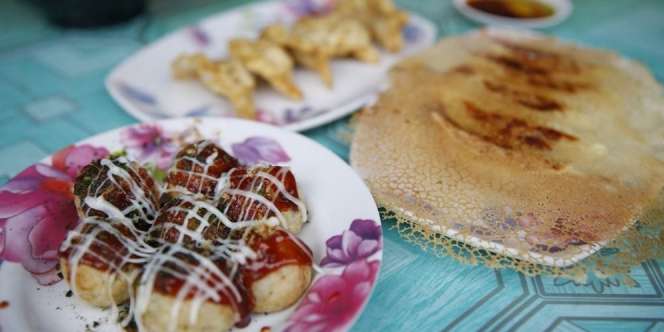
{"x": 263, "y": 192}
{"x": 309, "y": 58}
{"x": 228, "y": 78}
{"x": 191, "y": 221}
{"x": 313, "y": 41}
{"x": 516, "y": 140}
{"x": 280, "y": 256}
{"x": 218, "y": 245}
{"x": 198, "y": 169}
{"x": 334, "y": 36}
{"x": 381, "y": 17}
{"x": 269, "y": 61}
{"x": 185, "y": 290}
{"x": 117, "y": 188}
{"x": 117, "y": 201}
{"x": 96, "y": 261}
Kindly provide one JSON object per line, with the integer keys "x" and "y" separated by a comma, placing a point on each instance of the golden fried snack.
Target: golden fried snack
{"x": 335, "y": 36}
{"x": 228, "y": 78}
{"x": 269, "y": 61}
{"x": 317, "y": 61}
{"x": 381, "y": 17}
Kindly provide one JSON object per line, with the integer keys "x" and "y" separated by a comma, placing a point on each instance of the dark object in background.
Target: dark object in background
{"x": 89, "y": 13}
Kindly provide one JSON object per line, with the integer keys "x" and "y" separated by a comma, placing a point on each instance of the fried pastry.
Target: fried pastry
{"x": 269, "y": 61}
{"x": 228, "y": 78}
{"x": 335, "y": 36}
{"x": 317, "y": 61}
{"x": 381, "y": 17}
{"x": 547, "y": 148}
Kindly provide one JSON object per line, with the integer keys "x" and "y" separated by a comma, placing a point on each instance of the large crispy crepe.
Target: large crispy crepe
{"x": 516, "y": 142}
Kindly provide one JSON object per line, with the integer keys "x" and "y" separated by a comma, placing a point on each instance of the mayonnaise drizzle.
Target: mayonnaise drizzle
{"x": 257, "y": 175}
{"x": 164, "y": 257}
{"x": 140, "y": 203}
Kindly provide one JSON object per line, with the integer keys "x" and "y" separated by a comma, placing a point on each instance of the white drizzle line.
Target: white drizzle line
{"x": 234, "y": 252}
{"x": 194, "y": 277}
{"x": 201, "y": 211}
{"x": 203, "y": 175}
{"x": 138, "y": 252}
{"x": 115, "y": 174}
{"x": 257, "y": 175}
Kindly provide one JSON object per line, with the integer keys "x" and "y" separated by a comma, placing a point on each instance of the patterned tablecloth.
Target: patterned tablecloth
{"x": 52, "y": 95}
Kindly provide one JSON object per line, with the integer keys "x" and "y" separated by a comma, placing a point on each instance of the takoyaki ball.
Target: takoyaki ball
{"x": 262, "y": 192}
{"x": 198, "y": 168}
{"x": 281, "y": 271}
{"x": 96, "y": 261}
{"x": 186, "y": 279}
{"x": 209, "y": 316}
{"x": 97, "y": 287}
{"x": 190, "y": 221}
{"x": 108, "y": 187}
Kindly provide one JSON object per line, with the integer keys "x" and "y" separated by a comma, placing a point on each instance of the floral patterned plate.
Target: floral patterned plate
{"x": 36, "y": 210}
{"x": 143, "y": 86}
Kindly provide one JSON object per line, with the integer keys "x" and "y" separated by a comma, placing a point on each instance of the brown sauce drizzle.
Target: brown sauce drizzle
{"x": 277, "y": 250}
{"x": 4, "y": 304}
{"x": 241, "y": 179}
{"x": 105, "y": 253}
{"x": 193, "y": 172}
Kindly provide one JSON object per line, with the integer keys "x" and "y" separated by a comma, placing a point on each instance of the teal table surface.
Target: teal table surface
{"x": 52, "y": 95}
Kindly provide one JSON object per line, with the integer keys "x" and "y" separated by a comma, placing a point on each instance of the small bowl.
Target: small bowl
{"x": 562, "y": 9}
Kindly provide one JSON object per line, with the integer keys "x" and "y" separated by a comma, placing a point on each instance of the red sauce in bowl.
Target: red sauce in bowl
{"x": 513, "y": 8}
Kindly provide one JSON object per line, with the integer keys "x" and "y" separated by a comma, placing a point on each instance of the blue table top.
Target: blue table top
{"x": 52, "y": 95}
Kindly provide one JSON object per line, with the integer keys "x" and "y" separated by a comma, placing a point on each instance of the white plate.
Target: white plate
{"x": 562, "y": 8}
{"x": 143, "y": 85}
{"x": 335, "y": 197}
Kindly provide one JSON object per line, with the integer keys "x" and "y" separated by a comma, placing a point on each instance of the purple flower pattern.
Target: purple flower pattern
{"x": 37, "y": 210}
{"x": 257, "y": 149}
{"x": 148, "y": 143}
{"x": 335, "y": 299}
{"x": 359, "y": 242}
{"x": 299, "y": 8}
